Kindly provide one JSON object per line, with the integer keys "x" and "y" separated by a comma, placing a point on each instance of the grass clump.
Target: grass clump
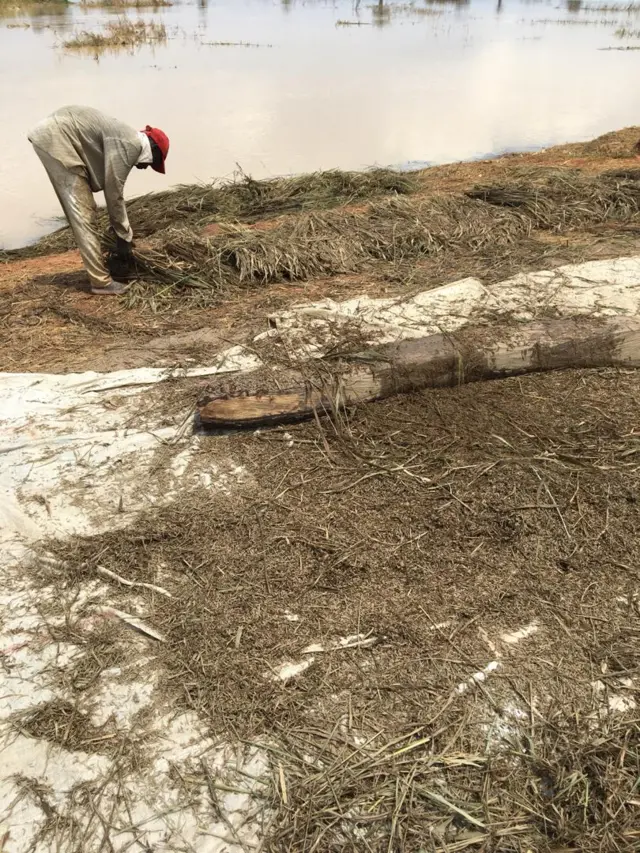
{"x": 116, "y": 34}
{"x": 234, "y": 44}
{"x": 125, "y": 4}
{"x": 31, "y": 3}
{"x": 406, "y": 9}
{"x": 629, "y": 8}
{"x": 61, "y": 722}
{"x": 559, "y": 201}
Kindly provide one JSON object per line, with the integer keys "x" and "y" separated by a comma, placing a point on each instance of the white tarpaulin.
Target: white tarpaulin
{"x": 594, "y": 289}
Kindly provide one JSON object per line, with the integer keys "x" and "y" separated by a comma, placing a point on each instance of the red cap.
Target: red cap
{"x": 162, "y": 141}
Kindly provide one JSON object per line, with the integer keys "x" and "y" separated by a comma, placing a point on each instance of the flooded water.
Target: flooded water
{"x": 328, "y": 85}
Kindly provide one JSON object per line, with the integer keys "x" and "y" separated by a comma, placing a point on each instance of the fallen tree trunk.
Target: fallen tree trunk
{"x": 435, "y": 361}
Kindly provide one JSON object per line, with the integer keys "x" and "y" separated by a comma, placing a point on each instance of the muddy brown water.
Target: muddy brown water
{"x": 401, "y": 84}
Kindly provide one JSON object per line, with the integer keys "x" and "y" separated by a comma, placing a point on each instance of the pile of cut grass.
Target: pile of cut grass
{"x": 241, "y": 200}
{"x": 559, "y": 201}
{"x": 327, "y": 233}
{"x": 314, "y": 245}
{"x": 390, "y": 232}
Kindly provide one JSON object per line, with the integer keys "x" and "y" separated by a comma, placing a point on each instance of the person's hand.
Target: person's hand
{"x": 124, "y": 249}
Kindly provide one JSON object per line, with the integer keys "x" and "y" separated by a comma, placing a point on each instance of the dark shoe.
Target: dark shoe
{"x": 113, "y": 289}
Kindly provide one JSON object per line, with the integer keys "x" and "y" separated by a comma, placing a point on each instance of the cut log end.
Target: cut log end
{"x": 243, "y": 410}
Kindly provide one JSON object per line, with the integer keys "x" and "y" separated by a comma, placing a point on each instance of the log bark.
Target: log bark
{"x": 435, "y": 361}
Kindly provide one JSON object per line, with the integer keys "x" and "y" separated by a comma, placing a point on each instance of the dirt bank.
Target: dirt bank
{"x": 49, "y": 322}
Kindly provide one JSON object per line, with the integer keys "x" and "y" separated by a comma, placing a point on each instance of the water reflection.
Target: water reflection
{"x": 380, "y": 14}
{"x": 448, "y": 2}
{"x": 432, "y": 80}
{"x": 40, "y": 16}
{"x": 383, "y": 12}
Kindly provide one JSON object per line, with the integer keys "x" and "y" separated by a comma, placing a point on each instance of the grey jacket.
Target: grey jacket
{"x": 97, "y": 147}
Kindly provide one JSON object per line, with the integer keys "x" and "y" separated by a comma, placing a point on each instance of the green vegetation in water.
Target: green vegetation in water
{"x": 116, "y": 34}
{"x": 382, "y": 13}
{"x": 566, "y": 22}
{"x": 628, "y": 8}
{"x": 233, "y": 44}
{"x": 125, "y": 4}
{"x": 33, "y": 8}
{"x": 626, "y": 33}
{"x": 20, "y": 4}
{"x": 405, "y": 9}
{"x": 20, "y": 9}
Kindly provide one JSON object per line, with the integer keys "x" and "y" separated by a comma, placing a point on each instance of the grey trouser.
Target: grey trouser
{"x": 78, "y": 204}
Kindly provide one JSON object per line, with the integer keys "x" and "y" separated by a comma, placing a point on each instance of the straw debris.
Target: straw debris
{"x": 483, "y": 540}
{"x": 61, "y": 722}
{"x": 565, "y": 787}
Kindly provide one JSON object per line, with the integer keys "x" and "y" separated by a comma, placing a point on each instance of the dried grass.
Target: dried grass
{"x": 417, "y": 792}
{"x": 559, "y": 201}
{"x": 63, "y": 723}
{"x": 628, "y": 8}
{"x": 241, "y": 200}
{"x": 627, "y": 33}
{"x": 316, "y": 245}
{"x": 433, "y": 523}
{"x": 394, "y": 232}
{"x": 118, "y": 34}
{"x": 125, "y": 4}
